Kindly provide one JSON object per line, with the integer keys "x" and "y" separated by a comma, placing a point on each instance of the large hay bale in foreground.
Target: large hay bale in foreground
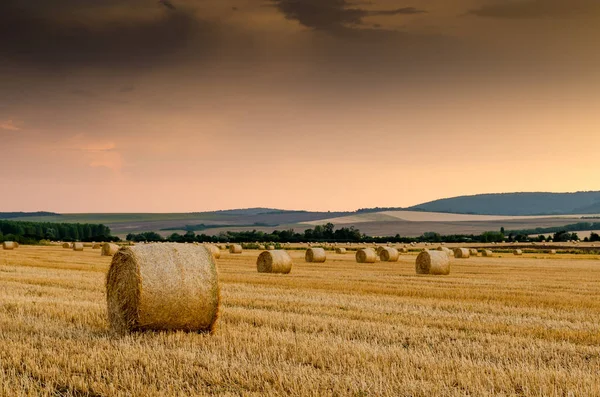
{"x": 214, "y": 250}
{"x": 275, "y": 261}
{"x": 473, "y": 252}
{"x": 316, "y": 255}
{"x": 487, "y": 253}
{"x": 366, "y": 255}
{"x": 389, "y": 255}
{"x": 462, "y": 253}
{"x": 433, "y": 262}
{"x": 235, "y": 249}
{"x": 163, "y": 287}
{"x": 9, "y": 245}
{"x": 66, "y": 245}
{"x": 77, "y": 247}
{"x": 518, "y": 252}
{"x": 340, "y": 250}
{"x": 109, "y": 249}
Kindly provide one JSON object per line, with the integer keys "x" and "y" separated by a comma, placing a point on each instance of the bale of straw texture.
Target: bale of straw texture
{"x": 261, "y": 247}
{"x": 433, "y": 262}
{"x": 270, "y": 247}
{"x": 163, "y": 287}
{"x": 88, "y": 245}
{"x": 518, "y": 252}
{"x": 448, "y": 251}
{"x": 77, "y": 247}
{"x": 366, "y": 255}
{"x": 340, "y": 250}
{"x": 389, "y": 254}
{"x": 275, "y": 261}
{"x": 16, "y": 243}
{"x": 488, "y": 253}
{"x": 316, "y": 255}
{"x": 66, "y": 245}
{"x": 214, "y": 250}
{"x": 552, "y": 252}
{"x": 109, "y": 249}
{"x": 403, "y": 250}
{"x": 462, "y": 253}
{"x": 379, "y": 249}
{"x": 235, "y": 249}
{"x": 97, "y": 246}
{"x": 9, "y": 245}
{"x": 473, "y": 252}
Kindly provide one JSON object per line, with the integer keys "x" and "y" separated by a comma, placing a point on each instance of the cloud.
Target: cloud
{"x": 8, "y": 125}
{"x": 332, "y": 15}
{"x": 95, "y": 153}
{"x": 537, "y": 9}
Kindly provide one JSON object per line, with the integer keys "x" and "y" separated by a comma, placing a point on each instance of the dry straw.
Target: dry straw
{"x": 366, "y": 255}
{"x": 433, "y": 262}
{"x": 88, "y": 245}
{"x": 66, "y": 245}
{"x": 316, "y": 255}
{"x": 276, "y": 261}
{"x": 77, "y": 247}
{"x": 473, "y": 252}
{"x": 552, "y": 252}
{"x": 235, "y": 249}
{"x": 487, "y": 253}
{"x": 270, "y": 247}
{"x": 9, "y": 245}
{"x": 214, "y": 250}
{"x": 109, "y": 249}
{"x": 448, "y": 251}
{"x": 163, "y": 287}
{"x": 261, "y": 247}
{"x": 462, "y": 253}
{"x": 403, "y": 250}
{"x": 389, "y": 255}
{"x": 16, "y": 243}
{"x": 340, "y": 250}
{"x": 518, "y": 252}
{"x": 97, "y": 246}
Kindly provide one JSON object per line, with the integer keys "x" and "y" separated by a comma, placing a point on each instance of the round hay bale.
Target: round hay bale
{"x": 16, "y": 243}
{"x": 462, "y": 253}
{"x": 270, "y": 247}
{"x": 433, "y": 262}
{"x": 403, "y": 250}
{"x": 448, "y": 251}
{"x": 88, "y": 245}
{"x": 214, "y": 250}
{"x": 340, "y": 250}
{"x": 275, "y": 261}
{"x": 261, "y": 247}
{"x": 97, "y": 246}
{"x": 8, "y": 245}
{"x": 552, "y": 252}
{"x": 162, "y": 287}
{"x": 366, "y": 255}
{"x": 316, "y": 255}
{"x": 66, "y": 245}
{"x": 379, "y": 249}
{"x": 77, "y": 247}
{"x": 518, "y": 252}
{"x": 389, "y": 255}
{"x": 487, "y": 253}
{"x": 473, "y": 252}
{"x": 235, "y": 249}
{"x": 109, "y": 249}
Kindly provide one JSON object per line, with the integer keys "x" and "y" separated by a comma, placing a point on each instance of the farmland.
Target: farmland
{"x": 503, "y": 325}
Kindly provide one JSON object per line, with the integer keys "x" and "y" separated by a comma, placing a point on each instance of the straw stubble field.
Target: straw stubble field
{"x": 502, "y": 325}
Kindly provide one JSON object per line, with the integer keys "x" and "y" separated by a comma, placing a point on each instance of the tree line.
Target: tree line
{"x": 32, "y": 232}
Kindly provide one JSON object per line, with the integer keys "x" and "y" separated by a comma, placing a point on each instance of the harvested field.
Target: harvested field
{"x": 504, "y": 325}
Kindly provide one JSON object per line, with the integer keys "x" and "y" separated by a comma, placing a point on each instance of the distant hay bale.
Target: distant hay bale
{"x": 433, "y": 262}
{"x": 16, "y": 243}
{"x": 379, "y": 249}
{"x": 97, "y": 246}
{"x": 518, "y": 252}
{"x": 389, "y": 255}
{"x": 9, "y": 245}
{"x": 88, "y": 245}
{"x": 366, "y": 255}
{"x": 276, "y": 261}
{"x": 316, "y": 255}
{"x": 448, "y": 251}
{"x": 552, "y": 252}
{"x": 77, "y": 247}
{"x": 261, "y": 247}
{"x": 270, "y": 247}
{"x": 214, "y": 250}
{"x": 473, "y": 252}
{"x": 487, "y": 253}
{"x": 162, "y": 287}
{"x": 109, "y": 249}
{"x": 462, "y": 253}
{"x": 235, "y": 249}
{"x": 66, "y": 245}
{"x": 340, "y": 250}
{"x": 403, "y": 250}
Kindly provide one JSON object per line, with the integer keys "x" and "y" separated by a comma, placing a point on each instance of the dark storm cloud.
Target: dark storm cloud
{"x": 332, "y": 15}
{"x": 47, "y": 34}
{"x": 537, "y": 9}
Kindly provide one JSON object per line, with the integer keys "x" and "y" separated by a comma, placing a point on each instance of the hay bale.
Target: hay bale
{"x": 379, "y": 249}
{"x": 433, "y": 262}
{"x": 462, "y": 253}
{"x": 77, "y": 247}
{"x": 97, "y": 246}
{"x": 66, "y": 245}
{"x": 366, "y": 255}
{"x": 487, "y": 253}
{"x": 276, "y": 261}
{"x": 261, "y": 247}
{"x": 235, "y": 249}
{"x": 403, "y": 250}
{"x": 389, "y": 255}
{"x": 316, "y": 255}
{"x": 88, "y": 245}
{"x": 109, "y": 249}
{"x": 214, "y": 250}
{"x": 446, "y": 250}
{"x": 340, "y": 250}
{"x": 270, "y": 247}
{"x": 518, "y": 252}
{"x": 552, "y": 252}
{"x": 162, "y": 287}
{"x": 16, "y": 243}
{"x": 8, "y": 245}
{"x": 473, "y": 252}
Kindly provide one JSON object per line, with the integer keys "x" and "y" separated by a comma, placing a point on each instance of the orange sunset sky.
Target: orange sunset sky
{"x": 130, "y": 106}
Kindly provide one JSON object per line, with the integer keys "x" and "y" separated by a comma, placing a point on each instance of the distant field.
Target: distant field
{"x": 495, "y": 326}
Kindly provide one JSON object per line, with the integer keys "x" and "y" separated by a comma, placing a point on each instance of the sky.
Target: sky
{"x": 197, "y": 105}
